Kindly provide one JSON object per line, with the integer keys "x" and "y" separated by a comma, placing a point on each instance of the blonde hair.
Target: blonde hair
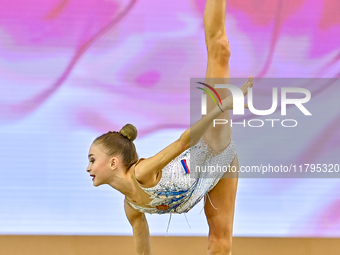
{"x": 120, "y": 143}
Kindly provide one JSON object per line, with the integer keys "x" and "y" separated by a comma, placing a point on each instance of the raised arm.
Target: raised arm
{"x": 146, "y": 172}
{"x": 140, "y": 229}
{"x": 193, "y": 134}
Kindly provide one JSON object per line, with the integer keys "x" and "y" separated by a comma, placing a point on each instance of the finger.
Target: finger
{"x": 251, "y": 82}
{"x": 245, "y": 89}
{"x": 246, "y": 83}
{"x": 245, "y": 86}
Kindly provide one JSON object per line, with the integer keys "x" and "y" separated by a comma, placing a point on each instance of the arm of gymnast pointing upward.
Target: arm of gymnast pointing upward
{"x": 147, "y": 171}
{"x": 140, "y": 228}
{"x": 192, "y": 135}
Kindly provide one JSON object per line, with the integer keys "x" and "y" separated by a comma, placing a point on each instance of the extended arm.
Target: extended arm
{"x": 193, "y": 134}
{"x": 147, "y": 169}
{"x": 140, "y": 229}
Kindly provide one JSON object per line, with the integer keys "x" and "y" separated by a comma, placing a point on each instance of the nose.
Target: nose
{"x": 88, "y": 168}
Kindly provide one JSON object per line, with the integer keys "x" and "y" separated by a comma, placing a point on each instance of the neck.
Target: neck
{"x": 122, "y": 182}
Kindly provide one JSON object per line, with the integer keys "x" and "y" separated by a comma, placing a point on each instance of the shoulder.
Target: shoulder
{"x": 143, "y": 176}
{"x": 147, "y": 171}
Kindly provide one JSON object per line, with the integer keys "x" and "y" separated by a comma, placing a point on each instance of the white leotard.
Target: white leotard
{"x": 178, "y": 191}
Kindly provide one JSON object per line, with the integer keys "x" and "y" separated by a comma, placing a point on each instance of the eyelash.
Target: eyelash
{"x": 92, "y": 161}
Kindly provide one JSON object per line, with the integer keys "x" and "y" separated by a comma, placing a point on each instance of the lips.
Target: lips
{"x": 93, "y": 177}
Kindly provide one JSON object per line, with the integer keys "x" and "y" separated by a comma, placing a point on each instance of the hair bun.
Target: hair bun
{"x": 129, "y": 131}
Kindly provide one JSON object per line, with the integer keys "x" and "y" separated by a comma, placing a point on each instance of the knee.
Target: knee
{"x": 219, "y": 245}
{"x": 219, "y": 50}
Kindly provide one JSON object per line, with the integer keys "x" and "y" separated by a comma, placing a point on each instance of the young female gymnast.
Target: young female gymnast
{"x": 159, "y": 184}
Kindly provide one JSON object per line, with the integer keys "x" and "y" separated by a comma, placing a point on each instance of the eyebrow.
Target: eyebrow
{"x": 90, "y": 155}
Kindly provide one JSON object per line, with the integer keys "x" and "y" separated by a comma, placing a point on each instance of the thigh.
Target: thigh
{"x": 220, "y": 210}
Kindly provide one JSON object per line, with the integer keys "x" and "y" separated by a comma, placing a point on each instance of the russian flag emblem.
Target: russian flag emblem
{"x": 185, "y": 166}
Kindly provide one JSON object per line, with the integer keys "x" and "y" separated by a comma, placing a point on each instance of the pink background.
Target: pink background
{"x": 76, "y": 69}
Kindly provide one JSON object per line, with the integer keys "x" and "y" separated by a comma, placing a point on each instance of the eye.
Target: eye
{"x": 92, "y": 160}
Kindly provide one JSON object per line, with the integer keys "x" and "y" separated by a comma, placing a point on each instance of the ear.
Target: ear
{"x": 114, "y": 162}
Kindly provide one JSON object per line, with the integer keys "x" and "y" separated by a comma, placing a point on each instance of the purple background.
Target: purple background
{"x": 71, "y": 70}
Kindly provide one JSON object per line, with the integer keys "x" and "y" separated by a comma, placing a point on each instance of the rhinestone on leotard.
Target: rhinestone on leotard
{"x": 178, "y": 191}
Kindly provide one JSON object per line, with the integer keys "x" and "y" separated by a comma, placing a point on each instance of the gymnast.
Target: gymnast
{"x": 162, "y": 183}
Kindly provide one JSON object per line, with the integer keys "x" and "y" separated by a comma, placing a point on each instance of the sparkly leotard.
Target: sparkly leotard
{"x": 178, "y": 191}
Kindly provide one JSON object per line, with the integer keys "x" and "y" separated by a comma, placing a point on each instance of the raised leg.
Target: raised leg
{"x": 223, "y": 195}
{"x": 218, "y": 68}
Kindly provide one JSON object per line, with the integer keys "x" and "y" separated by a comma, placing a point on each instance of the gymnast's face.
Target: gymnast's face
{"x": 99, "y": 166}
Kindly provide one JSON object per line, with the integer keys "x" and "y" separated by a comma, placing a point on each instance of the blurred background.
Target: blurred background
{"x": 71, "y": 70}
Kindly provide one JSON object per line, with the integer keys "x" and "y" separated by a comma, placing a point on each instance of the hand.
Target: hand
{"x": 248, "y": 84}
{"x": 228, "y": 101}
